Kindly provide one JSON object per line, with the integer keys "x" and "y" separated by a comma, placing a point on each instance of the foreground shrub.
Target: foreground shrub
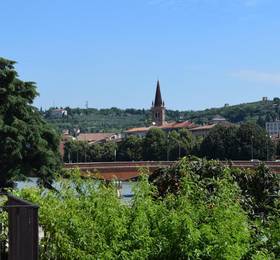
{"x": 86, "y": 220}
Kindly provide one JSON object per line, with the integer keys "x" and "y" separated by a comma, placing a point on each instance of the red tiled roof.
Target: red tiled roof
{"x": 93, "y": 137}
{"x": 138, "y": 129}
{"x": 204, "y": 127}
{"x": 171, "y": 125}
{"x": 174, "y": 125}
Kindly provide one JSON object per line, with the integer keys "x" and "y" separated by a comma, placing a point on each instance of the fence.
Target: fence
{"x": 19, "y": 235}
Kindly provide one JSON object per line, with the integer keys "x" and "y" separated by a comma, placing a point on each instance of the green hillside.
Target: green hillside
{"x": 259, "y": 112}
{"x": 116, "y": 120}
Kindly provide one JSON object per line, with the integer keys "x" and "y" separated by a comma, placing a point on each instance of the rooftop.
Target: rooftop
{"x": 94, "y": 137}
{"x": 171, "y": 125}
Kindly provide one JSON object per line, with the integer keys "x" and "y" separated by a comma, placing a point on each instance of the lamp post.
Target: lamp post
{"x": 266, "y": 147}
{"x": 267, "y": 150}
{"x": 167, "y": 150}
{"x": 179, "y": 149}
{"x": 252, "y": 147}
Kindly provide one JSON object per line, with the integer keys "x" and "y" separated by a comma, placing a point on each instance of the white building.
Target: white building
{"x": 273, "y": 128}
{"x": 58, "y": 113}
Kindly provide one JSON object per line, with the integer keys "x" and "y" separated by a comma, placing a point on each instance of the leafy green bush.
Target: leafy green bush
{"x": 86, "y": 220}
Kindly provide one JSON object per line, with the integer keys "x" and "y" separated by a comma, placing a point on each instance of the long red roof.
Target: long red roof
{"x": 171, "y": 125}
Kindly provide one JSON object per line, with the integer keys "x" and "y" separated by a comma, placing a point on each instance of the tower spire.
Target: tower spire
{"x": 158, "y": 109}
{"x": 158, "y": 100}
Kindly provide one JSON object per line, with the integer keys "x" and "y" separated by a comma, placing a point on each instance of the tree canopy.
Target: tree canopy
{"x": 249, "y": 141}
{"x": 196, "y": 209}
{"x": 28, "y": 145}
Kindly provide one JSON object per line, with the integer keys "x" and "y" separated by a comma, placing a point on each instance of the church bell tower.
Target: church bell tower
{"x": 158, "y": 109}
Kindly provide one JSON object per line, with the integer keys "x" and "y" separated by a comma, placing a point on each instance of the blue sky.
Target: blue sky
{"x": 110, "y": 53}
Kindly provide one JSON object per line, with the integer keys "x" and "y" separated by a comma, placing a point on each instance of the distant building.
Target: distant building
{"x": 142, "y": 131}
{"x": 264, "y": 99}
{"x": 158, "y": 109}
{"x": 202, "y": 131}
{"x": 58, "y": 113}
{"x": 139, "y": 131}
{"x": 93, "y": 138}
{"x": 158, "y": 117}
{"x": 218, "y": 120}
{"x": 273, "y": 128}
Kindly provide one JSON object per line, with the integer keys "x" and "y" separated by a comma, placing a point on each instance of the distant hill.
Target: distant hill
{"x": 116, "y": 120}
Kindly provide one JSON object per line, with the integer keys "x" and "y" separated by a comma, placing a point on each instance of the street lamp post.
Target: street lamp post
{"x": 179, "y": 148}
{"x": 267, "y": 147}
{"x": 267, "y": 150}
{"x": 167, "y": 150}
{"x": 252, "y": 147}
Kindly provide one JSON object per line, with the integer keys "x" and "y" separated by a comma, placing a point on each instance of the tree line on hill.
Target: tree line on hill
{"x": 244, "y": 142}
{"x": 116, "y": 120}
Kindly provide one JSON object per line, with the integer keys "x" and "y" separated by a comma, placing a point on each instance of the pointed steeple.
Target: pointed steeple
{"x": 158, "y": 100}
{"x": 158, "y": 109}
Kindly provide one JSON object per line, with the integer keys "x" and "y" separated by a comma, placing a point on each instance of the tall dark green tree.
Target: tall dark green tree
{"x": 109, "y": 152}
{"x": 216, "y": 144}
{"x": 154, "y": 145}
{"x": 180, "y": 143}
{"x": 253, "y": 142}
{"x": 28, "y": 145}
{"x": 130, "y": 149}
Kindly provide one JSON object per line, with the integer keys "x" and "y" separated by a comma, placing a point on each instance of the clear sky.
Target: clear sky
{"x": 110, "y": 53}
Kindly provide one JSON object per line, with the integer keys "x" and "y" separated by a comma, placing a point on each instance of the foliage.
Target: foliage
{"x": 180, "y": 143}
{"x": 259, "y": 197}
{"x": 154, "y": 145}
{"x": 131, "y": 149}
{"x": 28, "y": 145}
{"x": 99, "y": 120}
{"x": 223, "y": 142}
{"x": 115, "y": 119}
{"x": 237, "y": 143}
{"x": 3, "y": 228}
{"x": 218, "y": 143}
{"x": 80, "y": 151}
{"x": 260, "y": 189}
{"x": 86, "y": 220}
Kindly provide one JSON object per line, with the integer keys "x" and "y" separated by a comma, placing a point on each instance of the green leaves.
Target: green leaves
{"x": 237, "y": 143}
{"x": 154, "y": 145}
{"x": 28, "y": 145}
{"x": 86, "y": 220}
